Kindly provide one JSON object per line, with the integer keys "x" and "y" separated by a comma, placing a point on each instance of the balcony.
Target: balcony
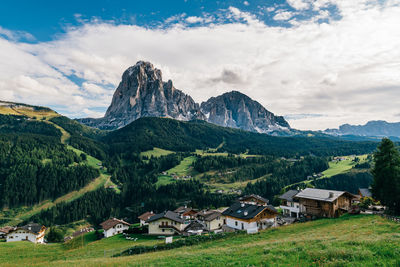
{"x": 291, "y": 209}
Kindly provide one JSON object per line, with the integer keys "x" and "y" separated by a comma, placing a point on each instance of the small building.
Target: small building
{"x": 213, "y": 219}
{"x": 289, "y": 206}
{"x": 254, "y": 200}
{"x": 187, "y": 213}
{"x": 79, "y": 233}
{"x": 243, "y": 216}
{"x": 32, "y": 232}
{"x": 195, "y": 227}
{"x": 364, "y": 192}
{"x": 144, "y": 217}
{"x": 324, "y": 203}
{"x": 166, "y": 223}
{"x": 114, "y": 226}
{"x": 5, "y": 230}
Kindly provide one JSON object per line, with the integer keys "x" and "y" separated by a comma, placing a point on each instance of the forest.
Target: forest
{"x": 36, "y": 166}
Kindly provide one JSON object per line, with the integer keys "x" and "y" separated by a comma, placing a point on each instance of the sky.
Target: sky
{"x": 319, "y": 63}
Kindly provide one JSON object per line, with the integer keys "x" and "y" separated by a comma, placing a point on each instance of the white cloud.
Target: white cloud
{"x": 246, "y": 3}
{"x": 194, "y": 19}
{"x": 283, "y": 15}
{"x": 345, "y": 70}
{"x": 299, "y": 4}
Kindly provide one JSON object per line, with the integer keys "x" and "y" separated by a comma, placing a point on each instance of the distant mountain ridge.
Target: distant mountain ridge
{"x": 371, "y": 128}
{"x": 142, "y": 93}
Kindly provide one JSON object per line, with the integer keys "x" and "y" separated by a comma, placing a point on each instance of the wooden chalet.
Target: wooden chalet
{"x": 324, "y": 203}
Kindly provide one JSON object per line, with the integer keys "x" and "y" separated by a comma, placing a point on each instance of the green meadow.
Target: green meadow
{"x": 361, "y": 240}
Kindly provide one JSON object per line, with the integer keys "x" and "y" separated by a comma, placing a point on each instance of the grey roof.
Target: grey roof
{"x": 168, "y": 215}
{"x": 196, "y": 225}
{"x": 365, "y": 192}
{"x": 289, "y": 195}
{"x": 246, "y": 211}
{"x": 209, "y": 215}
{"x": 321, "y": 194}
{"x": 33, "y": 227}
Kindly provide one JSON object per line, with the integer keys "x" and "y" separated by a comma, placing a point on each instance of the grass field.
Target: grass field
{"x": 164, "y": 180}
{"x": 231, "y": 186}
{"x": 155, "y": 152}
{"x": 338, "y": 167}
{"x": 184, "y": 168}
{"x": 362, "y": 240}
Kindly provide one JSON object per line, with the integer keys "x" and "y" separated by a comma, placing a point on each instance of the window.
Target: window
{"x": 236, "y": 223}
{"x": 163, "y": 230}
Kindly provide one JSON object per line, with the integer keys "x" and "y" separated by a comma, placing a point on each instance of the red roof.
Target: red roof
{"x": 110, "y": 223}
{"x": 145, "y": 216}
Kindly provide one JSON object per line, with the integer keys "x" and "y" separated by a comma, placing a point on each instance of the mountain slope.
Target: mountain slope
{"x": 237, "y": 110}
{"x": 371, "y": 128}
{"x": 146, "y": 133}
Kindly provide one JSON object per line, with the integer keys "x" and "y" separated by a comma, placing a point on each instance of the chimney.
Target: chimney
{"x": 245, "y": 213}
{"x": 330, "y": 194}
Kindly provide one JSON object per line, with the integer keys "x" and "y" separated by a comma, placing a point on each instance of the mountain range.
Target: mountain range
{"x": 143, "y": 93}
{"x": 370, "y": 129}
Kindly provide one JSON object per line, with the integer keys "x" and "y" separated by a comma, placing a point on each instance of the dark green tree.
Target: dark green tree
{"x": 386, "y": 172}
{"x": 55, "y": 235}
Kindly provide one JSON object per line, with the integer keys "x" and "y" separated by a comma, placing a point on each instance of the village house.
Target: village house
{"x": 250, "y": 217}
{"x": 5, "y": 230}
{"x": 289, "y": 206}
{"x": 254, "y": 200}
{"x": 166, "y": 223}
{"x": 32, "y": 232}
{"x": 187, "y": 213}
{"x": 144, "y": 217}
{"x": 213, "y": 219}
{"x": 195, "y": 227}
{"x": 323, "y": 203}
{"x": 114, "y": 226}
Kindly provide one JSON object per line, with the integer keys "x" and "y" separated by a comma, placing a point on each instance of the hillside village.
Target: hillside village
{"x": 249, "y": 213}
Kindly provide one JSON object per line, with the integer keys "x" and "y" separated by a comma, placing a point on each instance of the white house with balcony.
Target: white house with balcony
{"x": 32, "y": 232}
{"x": 289, "y": 206}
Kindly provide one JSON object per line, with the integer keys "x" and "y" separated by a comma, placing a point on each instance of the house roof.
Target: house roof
{"x": 31, "y": 227}
{"x": 168, "y": 215}
{"x": 321, "y": 194}
{"x": 196, "y": 225}
{"x": 184, "y": 210}
{"x": 209, "y": 215}
{"x": 365, "y": 192}
{"x": 145, "y": 216}
{"x": 260, "y": 198}
{"x": 110, "y": 223}
{"x": 6, "y": 229}
{"x": 289, "y": 195}
{"x": 246, "y": 211}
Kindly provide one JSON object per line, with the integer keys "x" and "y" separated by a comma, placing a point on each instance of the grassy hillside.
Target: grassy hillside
{"x": 363, "y": 240}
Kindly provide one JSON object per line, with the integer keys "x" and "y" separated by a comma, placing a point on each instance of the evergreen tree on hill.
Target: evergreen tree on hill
{"x": 386, "y": 184}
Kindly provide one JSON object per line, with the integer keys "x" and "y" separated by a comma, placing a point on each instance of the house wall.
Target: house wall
{"x": 239, "y": 224}
{"x": 325, "y": 209}
{"x": 24, "y": 235}
{"x": 117, "y": 229}
{"x": 142, "y": 222}
{"x": 154, "y": 227}
{"x": 216, "y": 223}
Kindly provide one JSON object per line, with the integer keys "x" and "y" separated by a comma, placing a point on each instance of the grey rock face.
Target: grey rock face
{"x": 237, "y": 110}
{"x": 142, "y": 93}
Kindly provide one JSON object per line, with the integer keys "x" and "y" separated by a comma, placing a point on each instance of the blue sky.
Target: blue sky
{"x": 320, "y": 63}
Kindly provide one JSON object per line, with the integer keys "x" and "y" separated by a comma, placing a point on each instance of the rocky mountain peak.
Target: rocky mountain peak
{"x": 237, "y": 110}
{"x": 143, "y": 93}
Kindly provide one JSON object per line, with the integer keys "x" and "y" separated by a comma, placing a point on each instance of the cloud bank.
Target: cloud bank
{"x": 344, "y": 68}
